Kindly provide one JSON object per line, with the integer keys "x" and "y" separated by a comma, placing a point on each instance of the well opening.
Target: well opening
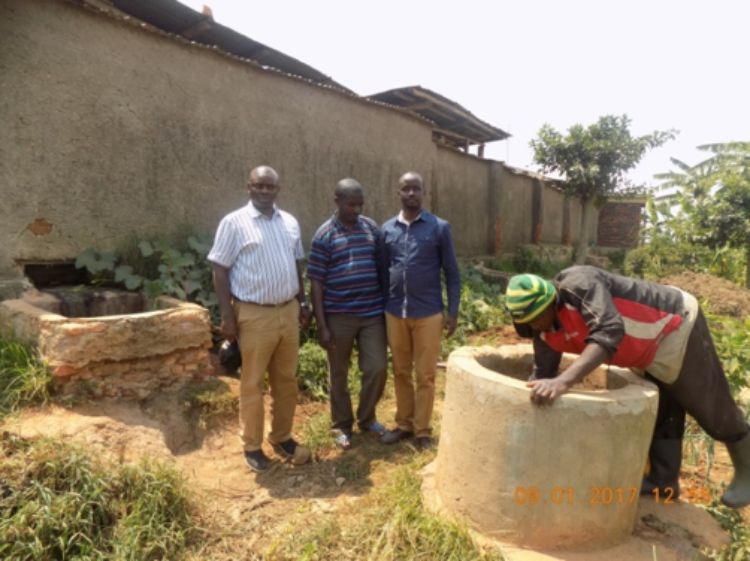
{"x": 90, "y": 302}
{"x": 520, "y": 367}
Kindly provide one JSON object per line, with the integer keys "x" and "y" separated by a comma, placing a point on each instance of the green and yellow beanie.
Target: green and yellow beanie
{"x": 527, "y": 296}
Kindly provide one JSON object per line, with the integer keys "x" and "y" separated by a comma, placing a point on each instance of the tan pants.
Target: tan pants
{"x": 414, "y": 342}
{"x": 269, "y": 341}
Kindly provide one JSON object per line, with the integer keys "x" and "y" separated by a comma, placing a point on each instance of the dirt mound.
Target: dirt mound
{"x": 722, "y": 297}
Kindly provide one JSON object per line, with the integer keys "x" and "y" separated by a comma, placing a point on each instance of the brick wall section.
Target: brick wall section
{"x": 619, "y": 224}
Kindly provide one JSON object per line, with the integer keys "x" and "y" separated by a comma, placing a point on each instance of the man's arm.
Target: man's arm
{"x": 544, "y": 391}
{"x": 452, "y": 277}
{"x": 221, "y": 286}
{"x": 384, "y": 264}
{"x": 324, "y": 334}
{"x": 304, "y": 308}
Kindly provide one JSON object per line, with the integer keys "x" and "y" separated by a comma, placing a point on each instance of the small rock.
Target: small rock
{"x": 340, "y": 481}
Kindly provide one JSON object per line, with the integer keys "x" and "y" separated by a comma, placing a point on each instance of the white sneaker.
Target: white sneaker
{"x": 342, "y": 439}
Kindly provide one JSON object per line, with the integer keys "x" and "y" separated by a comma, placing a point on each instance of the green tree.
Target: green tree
{"x": 593, "y": 160}
{"x": 715, "y": 197}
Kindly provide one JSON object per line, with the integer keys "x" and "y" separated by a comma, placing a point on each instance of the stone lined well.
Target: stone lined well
{"x": 107, "y": 341}
{"x": 564, "y": 476}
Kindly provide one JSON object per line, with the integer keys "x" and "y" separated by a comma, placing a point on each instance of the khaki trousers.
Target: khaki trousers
{"x": 269, "y": 341}
{"x": 414, "y": 343}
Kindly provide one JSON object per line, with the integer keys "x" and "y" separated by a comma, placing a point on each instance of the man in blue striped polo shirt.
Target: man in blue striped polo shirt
{"x": 347, "y": 294}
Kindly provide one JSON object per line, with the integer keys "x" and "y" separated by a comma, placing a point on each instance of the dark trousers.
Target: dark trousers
{"x": 369, "y": 333}
{"x": 702, "y": 390}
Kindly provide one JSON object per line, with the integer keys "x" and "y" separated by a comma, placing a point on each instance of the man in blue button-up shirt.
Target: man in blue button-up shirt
{"x": 418, "y": 247}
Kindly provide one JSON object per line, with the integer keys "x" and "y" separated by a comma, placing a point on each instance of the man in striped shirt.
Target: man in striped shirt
{"x": 347, "y": 294}
{"x": 256, "y": 260}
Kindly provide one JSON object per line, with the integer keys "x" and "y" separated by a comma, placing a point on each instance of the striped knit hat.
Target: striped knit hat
{"x": 527, "y": 296}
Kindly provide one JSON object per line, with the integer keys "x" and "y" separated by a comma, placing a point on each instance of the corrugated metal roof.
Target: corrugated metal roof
{"x": 173, "y": 17}
{"x": 451, "y": 118}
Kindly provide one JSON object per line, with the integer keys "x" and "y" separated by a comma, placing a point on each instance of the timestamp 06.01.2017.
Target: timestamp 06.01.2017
{"x": 594, "y": 496}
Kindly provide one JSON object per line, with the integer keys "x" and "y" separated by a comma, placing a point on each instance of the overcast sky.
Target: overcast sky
{"x": 519, "y": 64}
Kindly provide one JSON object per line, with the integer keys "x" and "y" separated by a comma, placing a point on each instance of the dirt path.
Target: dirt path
{"x": 248, "y": 510}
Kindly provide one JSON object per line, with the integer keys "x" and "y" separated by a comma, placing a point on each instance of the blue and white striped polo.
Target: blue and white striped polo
{"x": 346, "y": 261}
{"x": 260, "y": 253}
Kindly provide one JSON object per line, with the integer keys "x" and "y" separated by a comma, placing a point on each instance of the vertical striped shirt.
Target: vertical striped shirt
{"x": 260, "y": 253}
{"x": 346, "y": 261}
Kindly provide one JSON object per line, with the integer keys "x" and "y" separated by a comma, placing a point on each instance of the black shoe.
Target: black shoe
{"x": 257, "y": 461}
{"x": 424, "y": 443}
{"x": 291, "y": 451}
{"x": 395, "y": 435}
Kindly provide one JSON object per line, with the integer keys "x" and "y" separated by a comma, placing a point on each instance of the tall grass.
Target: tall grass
{"x": 387, "y": 525}
{"x": 57, "y": 503}
{"x": 24, "y": 379}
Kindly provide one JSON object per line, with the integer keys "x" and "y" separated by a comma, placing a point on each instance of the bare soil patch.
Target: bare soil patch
{"x": 722, "y": 297}
{"x": 245, "y": 512}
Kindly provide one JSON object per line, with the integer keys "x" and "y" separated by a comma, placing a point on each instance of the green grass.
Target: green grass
{"x": 316, "y": 433}
{"x": 213, "y": 399}
{"x": 57, "y": 503}
{"x": 24, "y": 379}
{"x": 389, "y": 524}
{"x": 739, "y": 534}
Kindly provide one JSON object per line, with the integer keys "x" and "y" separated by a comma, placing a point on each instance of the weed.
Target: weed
{"x": 389, "y": 524}
{"x": 24, "y": 378}
{"x": 316, "y": 433}
{"x": 312, "y": 371}
{"x": 351, "y": 468}
{"x": 58, "y": 503}
{"x": 739, "y": 534}
{"x": 212, "y": 399}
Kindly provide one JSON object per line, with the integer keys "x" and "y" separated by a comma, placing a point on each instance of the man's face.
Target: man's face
{"x": 350, "y": 207}
{"x": 263, "y": 190}
{"x": 544, "y": 321}
{"x": 411, "y": 192}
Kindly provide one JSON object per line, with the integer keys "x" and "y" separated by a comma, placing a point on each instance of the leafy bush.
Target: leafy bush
{"x": 654, "y": 261}
{"x": 482, "y": 307}
{"x": 312, "y": 371}
{"x": 24, "y": 378}
{"x": 58, "y": 503}
{"x": 526, "y": 261}
{"x": 182, "y": 272}
{"x": 732, "y": 339}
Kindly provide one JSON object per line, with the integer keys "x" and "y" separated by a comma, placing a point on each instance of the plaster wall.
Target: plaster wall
{"x": 461, "y": 195}
{"x": 553, "y": 202}
{"x": 113, "y": 132}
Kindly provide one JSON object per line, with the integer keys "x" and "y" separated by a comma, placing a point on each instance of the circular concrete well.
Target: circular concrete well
{"x": 566, "y": 476}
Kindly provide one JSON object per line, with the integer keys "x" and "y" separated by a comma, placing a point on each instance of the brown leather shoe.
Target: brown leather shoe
{"x": 424, "y": 443}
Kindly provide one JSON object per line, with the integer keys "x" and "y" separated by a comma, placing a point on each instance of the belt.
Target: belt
{"x": 265, "y": 305}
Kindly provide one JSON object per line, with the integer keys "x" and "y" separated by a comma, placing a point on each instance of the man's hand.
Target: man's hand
{"x": 325, "y": 338}
{"x": 304, "y": 316}
{"x": 544, "y": 391}
{"x": 450, "y": 324}
{"x": 229, "y": 328}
